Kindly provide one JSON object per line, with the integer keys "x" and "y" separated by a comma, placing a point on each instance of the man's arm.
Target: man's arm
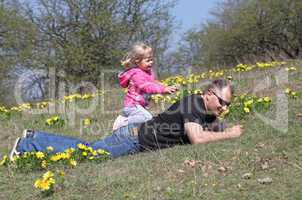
{"x": 197, "y": 135}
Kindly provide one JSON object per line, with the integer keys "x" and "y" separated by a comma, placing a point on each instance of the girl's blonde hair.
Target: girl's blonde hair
{"x": 138, "y": 52}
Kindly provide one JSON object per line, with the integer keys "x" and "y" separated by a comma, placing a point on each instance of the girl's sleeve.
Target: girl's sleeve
{"x": 154, "y": 78}
{"x": 150, "y": 87}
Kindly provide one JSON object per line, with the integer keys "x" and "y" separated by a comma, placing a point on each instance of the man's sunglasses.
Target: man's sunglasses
{"x": 221, "y": 101}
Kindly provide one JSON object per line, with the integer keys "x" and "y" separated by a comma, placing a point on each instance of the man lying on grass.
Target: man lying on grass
{"x": 192, "y": 120}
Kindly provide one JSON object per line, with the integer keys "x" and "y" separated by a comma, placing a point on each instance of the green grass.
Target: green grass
{"x": 261, "y": 151}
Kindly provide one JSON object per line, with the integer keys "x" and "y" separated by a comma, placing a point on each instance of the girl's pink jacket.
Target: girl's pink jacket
{"x": 139, "y": 83}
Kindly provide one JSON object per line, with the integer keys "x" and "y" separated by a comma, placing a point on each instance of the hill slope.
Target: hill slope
{"x": 234, "y": 169}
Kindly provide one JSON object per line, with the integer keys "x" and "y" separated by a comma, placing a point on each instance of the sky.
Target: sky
{"x": 191, "y": 13}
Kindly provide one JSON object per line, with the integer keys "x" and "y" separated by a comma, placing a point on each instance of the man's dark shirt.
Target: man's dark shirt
{"x": 167, "y": 129}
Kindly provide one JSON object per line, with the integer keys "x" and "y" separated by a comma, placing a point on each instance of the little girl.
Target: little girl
{"x": 140, "y": 82}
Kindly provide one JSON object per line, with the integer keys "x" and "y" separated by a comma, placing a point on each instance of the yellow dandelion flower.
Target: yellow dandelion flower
{"x": 229, "y": 77}
{"x": 51, "y": 181}
{"x": 242, "y": 96}
{"x": 246, "y": 109}
{"x": 56, "y": 118}
{"x": 248, "y": 103}
{"x": 26, "y": 154}
{"x": 65, "y": 155}
{"x": 50, "y": 148}
{"x": 15, "y": 158}
{"x": 173, "y": 101}
{"x": 222, "y": 115}
{"x": 42, "y": 184}
{"x": 61, "y": 173}
{"x": 4, "y": 160}
{"x": 73, "y": 163}
{"x": 197, "y": 91}
{"x": 40, "y": 155}
{"x": 56, "y": 157}
{"x": 102, "y": 152}
{"x": 70, "y": 150}
{"x": 89, "y": 149}
{"x": 49, "y": 121}
{"x": 267, "y": 99}
{"x": 86, "y": 96}
{"x": 87, "y": 122}
{"x": 48, "y": 175}
{"x": 290, "y": 69}
{"x": 44, "y": 164}
{"x": 287, "y": 90}
{"x": 81, "y": 146}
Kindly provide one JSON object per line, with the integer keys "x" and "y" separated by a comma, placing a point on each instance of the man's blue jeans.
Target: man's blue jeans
{"x": 123, "y": 141}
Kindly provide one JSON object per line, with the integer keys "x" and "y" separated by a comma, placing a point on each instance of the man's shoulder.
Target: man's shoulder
{"x": 194, "y": 102}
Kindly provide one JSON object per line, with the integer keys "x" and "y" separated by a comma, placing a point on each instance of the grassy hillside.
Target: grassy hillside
{"x": 265, "y": 163}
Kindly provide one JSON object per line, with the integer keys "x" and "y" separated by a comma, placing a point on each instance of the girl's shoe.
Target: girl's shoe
{"x": 27, "y": 133}
{"x": 14, "y": 151}
{"x": 120, "y": 122}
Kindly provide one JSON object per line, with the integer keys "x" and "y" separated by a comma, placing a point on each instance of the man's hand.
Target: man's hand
{"x": 197, "y": 135}
{"x": 236, "y": 130}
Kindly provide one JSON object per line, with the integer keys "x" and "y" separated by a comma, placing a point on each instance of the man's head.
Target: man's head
{"x": 217, "y": 96}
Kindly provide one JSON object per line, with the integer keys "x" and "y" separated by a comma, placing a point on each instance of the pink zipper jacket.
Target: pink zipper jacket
{"x": 139, "y": 83}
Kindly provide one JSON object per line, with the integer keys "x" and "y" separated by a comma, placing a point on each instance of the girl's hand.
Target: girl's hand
{"x": 170, "y": 89}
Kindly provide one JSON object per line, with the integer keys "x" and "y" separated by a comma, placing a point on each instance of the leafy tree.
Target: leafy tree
{"x": 85, "y": 37}
{"x": 247, "y": 31}
{"x": 17, "y": 37}
{"x": 76, "y": 37}
{"x": 17, "y": 46}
